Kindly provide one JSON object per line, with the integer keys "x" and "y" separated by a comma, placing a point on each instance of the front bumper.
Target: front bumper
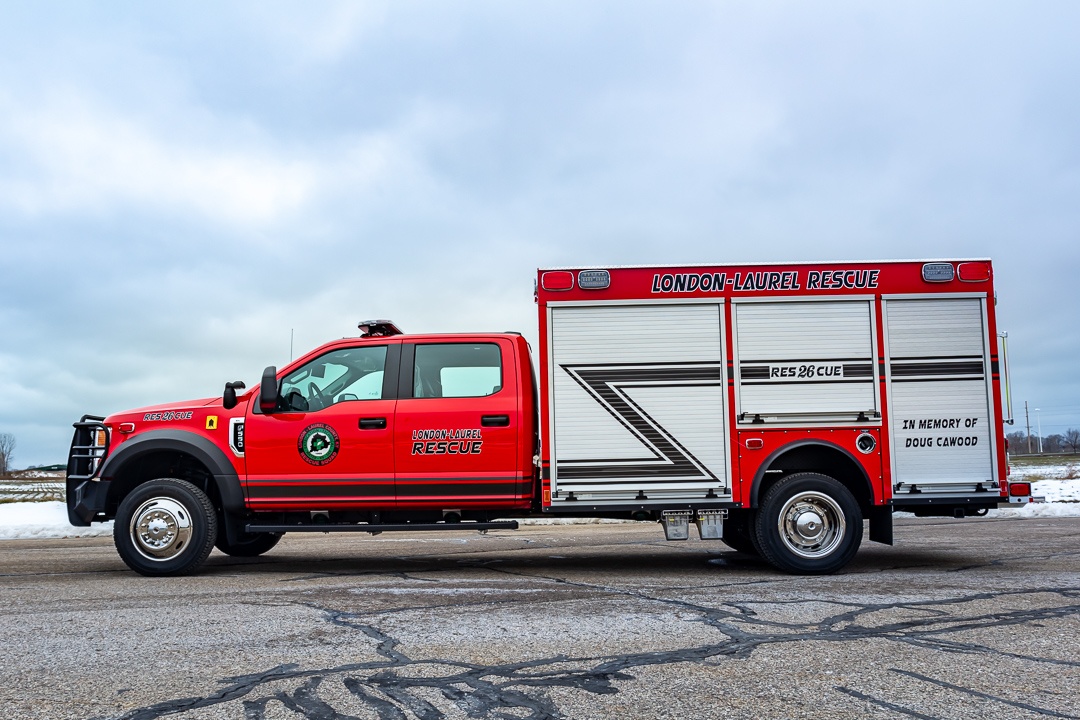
{"x": 86, "y": 496}
{"x": 86, "y": 500}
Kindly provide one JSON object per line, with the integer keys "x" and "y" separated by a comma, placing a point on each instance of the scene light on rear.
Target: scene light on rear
{"x": 594, "y": 279}
{"x": 937, "y": 272}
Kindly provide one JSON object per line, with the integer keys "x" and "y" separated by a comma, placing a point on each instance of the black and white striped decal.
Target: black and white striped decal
{"x": 670, "y": 461}
{"x": 931, "y": 369}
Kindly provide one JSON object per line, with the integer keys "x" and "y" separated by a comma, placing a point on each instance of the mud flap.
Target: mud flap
{"x": 881, "y": 524}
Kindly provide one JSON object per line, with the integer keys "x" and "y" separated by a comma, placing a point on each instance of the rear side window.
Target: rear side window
{"x": 457, "y": 370}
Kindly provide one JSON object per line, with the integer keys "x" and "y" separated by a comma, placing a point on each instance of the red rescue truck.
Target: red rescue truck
{"x": 775, "y": 407}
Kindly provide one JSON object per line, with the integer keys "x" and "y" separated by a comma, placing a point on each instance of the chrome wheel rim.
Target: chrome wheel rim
{"x": 811, "y": 525}
{"x": 161, "y": 529}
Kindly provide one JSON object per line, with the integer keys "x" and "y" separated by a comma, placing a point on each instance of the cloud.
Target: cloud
{"x": 69, "y": 154}
{"x": 313, "y": 34}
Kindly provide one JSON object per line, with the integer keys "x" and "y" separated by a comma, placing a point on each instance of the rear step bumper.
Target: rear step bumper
{"x": 375, "y": 528}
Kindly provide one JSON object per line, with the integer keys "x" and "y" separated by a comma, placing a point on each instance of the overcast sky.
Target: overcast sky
{"x": 183, "y": 184}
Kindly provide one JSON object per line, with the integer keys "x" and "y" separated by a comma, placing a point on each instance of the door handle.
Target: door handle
{"x": 495, "y": 421}
{"x": 373, "y": 423}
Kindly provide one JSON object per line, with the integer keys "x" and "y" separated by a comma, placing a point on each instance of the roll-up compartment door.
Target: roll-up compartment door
{"x": 638, "y": 402}
{"x": 939, "y": 393}
{"x": 805, "y": 360}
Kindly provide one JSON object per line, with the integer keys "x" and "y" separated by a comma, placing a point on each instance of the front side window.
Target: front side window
{"x": 457, "y": 370}
{"x": 338, "y": 376}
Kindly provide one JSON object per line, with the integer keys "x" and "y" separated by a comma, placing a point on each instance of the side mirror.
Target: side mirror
{"x": 268, "y": 390}
{"x": 228, "y": 400}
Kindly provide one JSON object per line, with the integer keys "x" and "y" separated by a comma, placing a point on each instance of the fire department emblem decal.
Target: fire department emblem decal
{"x": 318, "y": 444}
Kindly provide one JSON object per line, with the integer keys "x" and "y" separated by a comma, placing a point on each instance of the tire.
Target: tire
{"x": 165, "y": 527}
{"x": 738, "y": 533}
{"x": 249, "y": 545}
{"x": 808, "y": 524}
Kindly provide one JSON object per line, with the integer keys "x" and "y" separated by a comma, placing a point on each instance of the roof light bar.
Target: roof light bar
{"x": 378, "y": 328}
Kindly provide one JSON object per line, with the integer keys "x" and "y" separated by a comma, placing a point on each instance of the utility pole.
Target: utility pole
{"x": 1038, "y": 421}
{"x": 1027, "y": 421}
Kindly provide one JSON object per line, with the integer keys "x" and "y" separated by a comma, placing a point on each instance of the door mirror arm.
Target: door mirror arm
{"x": 228, "y": 399}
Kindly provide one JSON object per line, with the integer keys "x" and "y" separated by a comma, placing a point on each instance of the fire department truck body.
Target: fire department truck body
{"x": 774, "y": 407}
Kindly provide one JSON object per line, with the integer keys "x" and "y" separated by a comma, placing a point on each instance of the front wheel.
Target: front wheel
{"x": 165, "y": 527}
{"x": 808, "y": 524}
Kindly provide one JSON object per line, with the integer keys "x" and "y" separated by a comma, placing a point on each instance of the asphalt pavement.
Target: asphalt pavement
{"x": 962, "y": 618}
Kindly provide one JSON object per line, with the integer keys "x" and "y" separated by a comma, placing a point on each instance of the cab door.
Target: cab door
{"x": 458, "y": 426}
{"x": 329, "y": 445}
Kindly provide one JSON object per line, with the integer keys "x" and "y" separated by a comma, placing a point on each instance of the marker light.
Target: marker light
{"x": 937, "y": 272}
{"x": 974, "y": 271}
{"x": 1020, "y": 489}
{"x": 558, "y": 280}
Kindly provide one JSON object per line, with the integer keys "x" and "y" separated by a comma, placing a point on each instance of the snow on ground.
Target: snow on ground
{"x": 1059, "y": 484}
{"x": 24, "y": 520}
{"x": 27, "y": 520}
{"x": 1064, "y": 471}
{"x": 39, "y": 475}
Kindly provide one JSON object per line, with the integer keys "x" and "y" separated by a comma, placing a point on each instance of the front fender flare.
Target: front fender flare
{"x": 185, "y": 441}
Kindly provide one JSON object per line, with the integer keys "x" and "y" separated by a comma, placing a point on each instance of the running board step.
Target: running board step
{"x": 376, "y": 528}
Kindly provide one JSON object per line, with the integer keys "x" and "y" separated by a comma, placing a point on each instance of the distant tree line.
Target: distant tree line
{"x": 1067, "y": 442}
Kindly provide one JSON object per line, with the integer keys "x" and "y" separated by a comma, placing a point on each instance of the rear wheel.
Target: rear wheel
{"x": 249, "y": 544}
{"x": 808, "y": 524}
{"x": 165, "y": 527}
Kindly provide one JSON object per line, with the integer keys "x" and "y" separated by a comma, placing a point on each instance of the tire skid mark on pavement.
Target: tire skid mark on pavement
{"x": 393, "y": 689}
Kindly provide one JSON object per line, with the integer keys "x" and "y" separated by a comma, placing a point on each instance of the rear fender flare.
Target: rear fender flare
{"x": 759, "y": 477}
